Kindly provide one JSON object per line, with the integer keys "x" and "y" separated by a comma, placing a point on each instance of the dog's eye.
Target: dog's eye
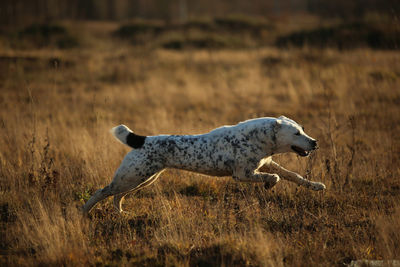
{"x": 302, "y": 127}
{"x": 298, "y": 133}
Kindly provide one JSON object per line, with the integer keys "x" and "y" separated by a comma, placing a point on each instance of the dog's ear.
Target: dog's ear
{"x": 277, "y": 124}
{"x": 282, "y": 117}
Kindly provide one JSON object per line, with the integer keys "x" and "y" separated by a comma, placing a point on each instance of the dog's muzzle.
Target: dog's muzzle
{"x": 304, "y": 153}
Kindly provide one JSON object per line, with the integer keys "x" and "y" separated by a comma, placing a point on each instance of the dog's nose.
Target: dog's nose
{"x": 314, "y": 143}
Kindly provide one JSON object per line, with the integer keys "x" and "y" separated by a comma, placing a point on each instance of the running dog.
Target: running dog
{"x": 238, "y": 151}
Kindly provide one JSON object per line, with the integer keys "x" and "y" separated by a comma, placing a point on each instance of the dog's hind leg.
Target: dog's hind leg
{"x": 135, "y": 171}
{"x": 98, "y": 196}
{"x": 118, "y": 199}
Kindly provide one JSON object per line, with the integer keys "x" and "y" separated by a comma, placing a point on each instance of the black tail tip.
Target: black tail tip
{"x": 135, "y": 141}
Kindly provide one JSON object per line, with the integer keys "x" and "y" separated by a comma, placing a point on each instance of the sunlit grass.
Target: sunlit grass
{"x": 56, "y": 150}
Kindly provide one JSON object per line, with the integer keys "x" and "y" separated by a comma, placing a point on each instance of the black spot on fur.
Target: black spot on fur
{"x": 135, "y": 141}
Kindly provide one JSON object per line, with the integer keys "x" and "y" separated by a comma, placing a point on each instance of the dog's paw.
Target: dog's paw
{"x": 316, "y": 186}
{"x": 272, "y": 181}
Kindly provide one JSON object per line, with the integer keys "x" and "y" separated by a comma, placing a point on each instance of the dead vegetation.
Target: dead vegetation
{"x": 56, "y": 150}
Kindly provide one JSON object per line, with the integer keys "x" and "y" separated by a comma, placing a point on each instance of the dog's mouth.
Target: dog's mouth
{"x": 300, "y": 151}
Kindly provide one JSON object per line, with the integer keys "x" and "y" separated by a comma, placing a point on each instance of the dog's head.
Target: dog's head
{"x": 290, "y": 137}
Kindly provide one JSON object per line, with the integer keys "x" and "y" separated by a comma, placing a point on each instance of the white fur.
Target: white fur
{"x": 236, "y": 151}
{"x": 121, "y": 132}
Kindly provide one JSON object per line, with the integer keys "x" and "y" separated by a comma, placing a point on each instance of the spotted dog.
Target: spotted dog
{"x": 236, "y": 151}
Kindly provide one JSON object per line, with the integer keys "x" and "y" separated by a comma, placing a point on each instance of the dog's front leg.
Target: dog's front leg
{"x": 247, "y": 175}
{"x": 294, "y": 177}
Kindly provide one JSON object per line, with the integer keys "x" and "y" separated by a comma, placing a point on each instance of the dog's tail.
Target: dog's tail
{"x": 127, "y": 137}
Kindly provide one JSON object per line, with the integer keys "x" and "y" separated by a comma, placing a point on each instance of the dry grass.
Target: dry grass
{"x": 56, "y": 108}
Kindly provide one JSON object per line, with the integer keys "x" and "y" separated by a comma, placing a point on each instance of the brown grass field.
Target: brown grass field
{"x": 56, "y": 109}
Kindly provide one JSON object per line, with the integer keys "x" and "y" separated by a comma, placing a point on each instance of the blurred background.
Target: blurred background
{"x": 16, "y": 12}
{"x": 210, "y": 24}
